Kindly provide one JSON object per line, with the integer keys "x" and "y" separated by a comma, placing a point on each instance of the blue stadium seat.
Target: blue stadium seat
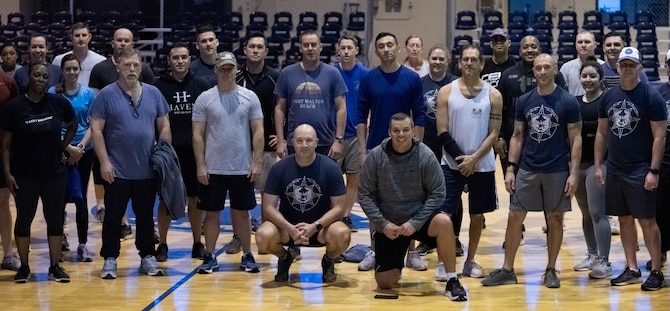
{"x": 643, "y": 17}
{"x": 330, "y": 29}
{"x": 619, "y": 21}
{"x": 281, "y": 32}
{"x": 17, "y": 19}
{"x": 485, "y": 44}
{"x": 62, "y": 17}
{"x": 356, "y": 21}
{"x": 41, "y": 18}
{"x": 309, "y": 18}
{"x": 566, "y": 40}
{"x": 493, "y": 17}
{"x": 651, "y": 69}
{"x": 88, "y": 17}
{"x": 593, "y": 16}
{"x": 461, "y": 41}
{"x": 542, "y": 16}
{"x": 518, "y": 17}
{"x": 32, "y": 28}
{"x": 137, "y": 18}
{"x": 333, "y": 18}
{"x": 304, "y": 27}
{"x": 260, "y": 19}
{"x": 112, "y": 17}
{"x": 9, "y": 31}
{"x": 466, "y": 20}
{"x": 233, "y": 20}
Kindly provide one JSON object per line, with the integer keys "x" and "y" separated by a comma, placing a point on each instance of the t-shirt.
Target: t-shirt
{"x": 629, "y": 140}
{"x": 204, "y": 71}
{"x": 352, "y": 79}
{"x": 384, "y": 94}
{"x": 91, "y": 59}
{"x": 611, "y": 76}
{"x": 36, "y": 134}
{"x": 227, "y": 116}
{"x": 492, "y": 72}
{"x": 589, "y": 126}
{"x": 21, "y": 77}
{"x": 570, "y": 71}
{"x": 546, "y": 147}
{"x": 81, "y": 102}
{"x": 664, "y": 89}
{"x": 104, "y": 74}
{"x": 310, "y": 98}
{"x": 263, "y": 84}
{"x": 130, "y": 129}
{"x": 8, "y": 89}
{"x": 305, "y": 192}
{"x": 430, "y": 88}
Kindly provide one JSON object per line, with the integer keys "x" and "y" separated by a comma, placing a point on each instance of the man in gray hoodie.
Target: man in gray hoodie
{"x": 401, "y": 191}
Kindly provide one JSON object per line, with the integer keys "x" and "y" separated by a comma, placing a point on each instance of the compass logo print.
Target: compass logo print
{"x": 543, "y": 122}
{"x": 624, "y": 117}
{"x": 303, "y": 193}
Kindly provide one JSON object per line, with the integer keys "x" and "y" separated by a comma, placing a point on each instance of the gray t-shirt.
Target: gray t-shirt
{"x": 227, "y": 117}
{"x": 130, "y": 130}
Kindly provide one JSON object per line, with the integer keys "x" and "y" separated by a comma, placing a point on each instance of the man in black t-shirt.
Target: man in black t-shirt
{"x": 494, "y": 67}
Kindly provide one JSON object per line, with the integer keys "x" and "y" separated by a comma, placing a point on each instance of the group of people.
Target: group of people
{"x": 410, "y": 138}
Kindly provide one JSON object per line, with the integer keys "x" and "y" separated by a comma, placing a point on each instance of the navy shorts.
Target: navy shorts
{"x": 625, "y": 195}
{"x": 482, "y": 194}
{"x": 390, "y": 254}
{"x": 239, "y": 188}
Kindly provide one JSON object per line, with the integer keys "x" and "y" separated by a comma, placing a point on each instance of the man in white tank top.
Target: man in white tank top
{"x": 468, "y": 117}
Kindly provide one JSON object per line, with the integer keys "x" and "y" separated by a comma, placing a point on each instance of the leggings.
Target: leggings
{"x": 663, "y": 207}
{"x": 590, "y": 197}
{"x": 84, "y": 166}
{"x": 51, "y": 190}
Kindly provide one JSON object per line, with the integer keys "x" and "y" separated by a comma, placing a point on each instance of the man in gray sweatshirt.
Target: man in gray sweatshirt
{"x": 401, "y": 190}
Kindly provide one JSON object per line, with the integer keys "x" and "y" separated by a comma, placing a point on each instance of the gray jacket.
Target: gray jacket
{"x": 171, "y": 189}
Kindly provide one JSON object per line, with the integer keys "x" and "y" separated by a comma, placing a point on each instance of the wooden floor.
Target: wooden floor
{"x": 232, "y": 289}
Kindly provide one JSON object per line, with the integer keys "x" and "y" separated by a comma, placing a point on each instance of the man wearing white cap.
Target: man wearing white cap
{"x": 632, "y": 116}
{"x": 227, "y": 158}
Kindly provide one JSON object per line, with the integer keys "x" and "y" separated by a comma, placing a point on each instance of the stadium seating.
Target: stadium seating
{"x": 466, "y": 20}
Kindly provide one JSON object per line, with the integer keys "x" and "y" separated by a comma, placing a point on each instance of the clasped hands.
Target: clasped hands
{"x": 301, "y": 233}
{"x": 393, "y": 231}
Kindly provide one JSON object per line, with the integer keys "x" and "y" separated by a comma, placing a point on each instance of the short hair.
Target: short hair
{"x": 203, "y": 29}
{"x": 32, "y": 65}
{"x": 412, "y": 37}
{"x": 614, "y": 33}
{"x": 7, "y": 45}
{"x": 385, "y": 34}
{"x": 473, "y": 47}
{"x": 307, "y": 33}
{"x": 348, "y": 37}
{"x": 400, "y": 116}
{"x": 79, "y": 25}
{"x": 36, "y": 35}
{"x": 256, "y": 34}
{"x": 128, "y": 52}
{"x": 179, "y": 44}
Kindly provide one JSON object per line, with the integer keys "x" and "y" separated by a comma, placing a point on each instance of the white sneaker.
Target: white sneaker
{"x": 614, "y": 225}
{"x": 149, "y": 266}
{"x": 440, "y": 272}
{"x": 109, "y": 268}
{"x": 472, "y": 269}
{"x": 368, "y": 262}
{"x": 586, "y": 264}
{"x": 414, "y": 261}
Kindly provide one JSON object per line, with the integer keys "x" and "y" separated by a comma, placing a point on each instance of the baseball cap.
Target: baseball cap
{"x": 499, "y": 32}
{"x": 667, "y": 56}
{"x": 630, "y": 53}
{"x": 225, "y": 58}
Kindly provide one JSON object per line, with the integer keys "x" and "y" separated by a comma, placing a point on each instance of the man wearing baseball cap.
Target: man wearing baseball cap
{"x": 227, "y": 158}
{"x": 632, "y": 116}
{"x": 494, "y": 67}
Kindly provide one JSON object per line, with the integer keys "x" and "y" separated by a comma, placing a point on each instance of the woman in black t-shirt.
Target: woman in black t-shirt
{"x": 33, "y": 156}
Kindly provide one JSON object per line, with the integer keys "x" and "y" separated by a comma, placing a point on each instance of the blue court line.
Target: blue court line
{"x": 179, "y": 284}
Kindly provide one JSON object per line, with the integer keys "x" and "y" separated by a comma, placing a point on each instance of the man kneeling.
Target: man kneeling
{"x": 312, "y": 194}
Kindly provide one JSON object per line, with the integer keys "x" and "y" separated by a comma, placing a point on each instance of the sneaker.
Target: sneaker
{"x": 209, "y": 264}
{"x": 157, "y": 239}
{"x": 57, "y": 274}
{"x": 459, "y": 249}
{"x": 295, "y": 252}
{"x": 234, "y": 246}
{"x": 283, "y": 266}
{"x": 347, "y": 221}
{"x": 83, "y": 254}
{"x": 100, "y": 214}
{"x": 614, "y": 225}
{"x": 65, "y": 245}
{"x": 414, "y": 261}
{"x": 22, "y": 275}
{"x": 500, "y": 277}
{"x": 368, "y": 262}
{"x": 586, "y": 264}
{"x": 126, "y": 232}
{"x": 149, "y": 266}
{"x": 109, "y": 268}
{"x": 328, "y": 268}
{"x": 162, "y": 253}
{"x": 198, "y": 250}
{"x": 601, "y": 269}
{"x": 627, "y": 277}
{"x": 455, "y": 291}
{"x": 472, "y": 269}
{"x": 440, "y": 272}
{"x": 248, "y": 264}
{"x": 11, "y": 262}
{"x": 655, "y": 281}
{"x": 424, "y": 249}
{"x": 664, "y": 259}
{"x": 255, "y": 223}
{"x": 550, "y": 278}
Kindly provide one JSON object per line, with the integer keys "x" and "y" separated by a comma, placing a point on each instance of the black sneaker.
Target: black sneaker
{"x": 328, "y": 268}
{"x": 283, "y": 265}
{"x": 459, "y": 249}
{"x": 198, "y": 250}
{"x": 455, "y": 290}
{"x": 655, "y": 281}
{"x": 23, "y": 275}
{"x": 157, "y": 239}
{"x": 65, "y": 245}
{"x": 126, "y": 232}
{"x": 347, "y": 221}
{"x": 57, "y": 274}
{"x": 664, "y": 260}
{"x": 627, "y": 277}
{"x": 424, "y": 249}
{"x": 162, "y": 253}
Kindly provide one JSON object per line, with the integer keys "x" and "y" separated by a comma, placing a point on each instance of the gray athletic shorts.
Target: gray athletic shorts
{"x": 540, "y": 192}
{"x": 350, "y": 161}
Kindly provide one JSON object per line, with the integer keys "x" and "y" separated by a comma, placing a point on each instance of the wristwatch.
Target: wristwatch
{"x": 318, "y": 225}
{"x": 340, "y": 139}
{"x": 654, "y": 171}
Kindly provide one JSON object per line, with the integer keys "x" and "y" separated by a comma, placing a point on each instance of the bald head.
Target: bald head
{"x": 304, "y": 130}
{"x": 544, "y": 58}
{"x": 123, "y": 37}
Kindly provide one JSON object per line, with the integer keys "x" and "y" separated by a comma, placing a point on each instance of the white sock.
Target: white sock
{"x": 451, "y": 275}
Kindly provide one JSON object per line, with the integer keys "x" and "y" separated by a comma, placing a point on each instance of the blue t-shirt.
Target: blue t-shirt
{"x": 81, "y": 103}
{"x": 204, "y": 71}
{"x": 611, "y": 76}
{"x": 546, "y": 147}
{"x": 430, "y": 89}
{"x": 130, "y": 130}
{"x": 352, "y": 79}
{"x": 664, "y": 89}
{"x": 310, "y": 98}
{"x": 384, "y": 94}
{"x": 630, "y": 139}
{"x": 304, "y": 192}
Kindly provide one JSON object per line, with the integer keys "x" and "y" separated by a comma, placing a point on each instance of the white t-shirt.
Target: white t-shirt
{"x": 91, "y": 59}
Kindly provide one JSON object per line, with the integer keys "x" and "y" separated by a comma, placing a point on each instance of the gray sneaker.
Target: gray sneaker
{"x": 414, "y": 261}
{"x": 295, "y": 252}
{"x": 83, "y": 254}
{"x": 234, "y": 246}
{"x": 209, "y": 264}
{"x": 440, "y": 272}
{"x": 368, "y": 262}
{"x": 472, "y": 269}
{"x": 149, "y": 266}
{"x": 586, "y": 264}
{"x": 550, "y": 278}
{"x": 601, "y": 269}
{"x": 100, "y": 214}
{"x": 500, "y": 277}
{"x": 11, "y": 261}
{"x": 109, "y": 269}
